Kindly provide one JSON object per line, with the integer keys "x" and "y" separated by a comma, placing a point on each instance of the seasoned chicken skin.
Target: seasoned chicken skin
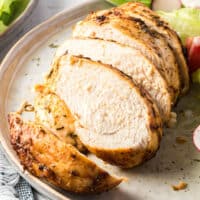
{"x": 52, "y": 112}
{"x": 47, "y": 157}
{"x": 152, "y": 20}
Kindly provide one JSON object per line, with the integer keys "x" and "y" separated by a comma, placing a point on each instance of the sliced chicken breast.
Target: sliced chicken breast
{"x": 52, "y": 112}
{"x": 115, "y": 120}
{"x": 128, "y": 60}
{"x": 47, "y": 157}
{"x": 114, "y": 26}
{"x": 153, "y": 21}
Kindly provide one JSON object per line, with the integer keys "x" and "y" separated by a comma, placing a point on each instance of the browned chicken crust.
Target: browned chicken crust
{"x": 153, "y": 20}
{"x": 45, "y": 156}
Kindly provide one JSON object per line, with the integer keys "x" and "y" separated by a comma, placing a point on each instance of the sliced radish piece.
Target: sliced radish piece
{"x": 193, "y": 50}
{"x": 196, "y": 138}
{"x": 167, "y": 6}
{"x": 189, "y": 43}
{"x": 191, "y": 3}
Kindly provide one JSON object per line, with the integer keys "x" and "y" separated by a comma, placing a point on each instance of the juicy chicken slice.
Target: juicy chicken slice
{"x": 116, "y": 26}
{"x": 152, "y": 20}
{"x": 128, "y": 60}
{"x": 115, "y": 120}
{"x": 52, "y": 112}
{"x": 47, "y": 157}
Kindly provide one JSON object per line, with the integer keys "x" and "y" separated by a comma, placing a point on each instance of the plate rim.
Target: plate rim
{"x": 35, "y": 182}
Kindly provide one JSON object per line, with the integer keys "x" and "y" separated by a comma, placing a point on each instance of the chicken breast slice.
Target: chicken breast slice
{"x": 52, "y": 112}
{"x": 51, "y": 159}
{"x": 115, "y": 120}
{"x": 115, "y": 26}
{"x": 153, "y": 20}
{"x": 128, "y": 60}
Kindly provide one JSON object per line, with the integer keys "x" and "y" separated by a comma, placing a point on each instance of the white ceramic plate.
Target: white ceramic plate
{"x": 24, "y": 66}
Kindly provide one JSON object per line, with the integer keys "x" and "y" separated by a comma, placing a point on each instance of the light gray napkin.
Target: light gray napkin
{"x": 12, "y": 186}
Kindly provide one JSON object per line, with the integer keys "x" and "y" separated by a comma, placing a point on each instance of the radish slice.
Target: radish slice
{"x": 196, "y": 138}
{"x": 167, "y": 6}
{"x": 193, "y": 49}
{"x": 189, "y": 43}
{"x": 191, "y": 3}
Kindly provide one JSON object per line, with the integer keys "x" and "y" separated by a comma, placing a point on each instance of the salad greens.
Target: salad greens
{"x": 185, "y": 21}
{"x": 119, "y": 2}
{"x": 196, "y": 76}
{"x": 9, "y": 11}
{"x": 2, "y": 27}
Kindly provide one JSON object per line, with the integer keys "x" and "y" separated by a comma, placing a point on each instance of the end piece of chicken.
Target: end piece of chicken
{"x": 47, "y": 157}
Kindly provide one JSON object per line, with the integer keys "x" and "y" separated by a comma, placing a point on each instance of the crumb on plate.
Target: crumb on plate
{"x": 52, "y": 45}
{"x": 181, "y": 140}
{"x": 180, "y": 186}
{"x": 172, "y": 121}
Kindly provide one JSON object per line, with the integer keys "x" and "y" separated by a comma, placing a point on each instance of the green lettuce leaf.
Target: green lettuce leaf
{"x": 10, "y": 10}
{"x": 185, "y": 21}
{"x": 196, "y": 76}
{"x": 119, "y": 2}
{"x": 2, "y": 27}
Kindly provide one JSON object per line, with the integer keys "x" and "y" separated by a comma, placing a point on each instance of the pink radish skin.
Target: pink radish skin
{"x": 166, "y": 6}
{"x": 193, "y": 49}
{"x": 196, "y": 138}
{"x": 191, "y": 3}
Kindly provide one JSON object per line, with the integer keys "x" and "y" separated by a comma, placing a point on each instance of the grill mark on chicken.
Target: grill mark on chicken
{"x": 101, "y": 18}
{"x": 160, "y": 22}
{"x": 101, "y": 176}
{"x": 143, "y": 26}
{"x": 50, "y": 73}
